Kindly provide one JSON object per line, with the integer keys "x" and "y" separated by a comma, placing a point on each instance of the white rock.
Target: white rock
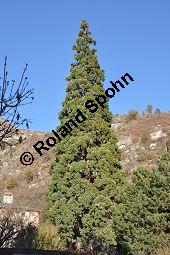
{"x": 15, "y": 137}
{"x": 2, "y": 153}
{"x": 126, "y": 161}
{"x": 133, "y": 156}
{"x": 152, "y": 146}
{"x": 124, "y": 142}
{"x": 18, "y": 172}
{"x": 134, "y": 148}
{"x": 115, "y": 125}
{"x": 5, "y": 164}
{"x": 31, "y": 185}
{"x": 156, "y": 135}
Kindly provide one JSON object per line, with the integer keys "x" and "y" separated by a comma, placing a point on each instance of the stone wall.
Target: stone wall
{"x": 32, "y": 217}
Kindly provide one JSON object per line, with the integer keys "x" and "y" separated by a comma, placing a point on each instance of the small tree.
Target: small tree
{"x": 158, "y": 111}
{"x": 10, "y": 226}
{"x": 149, "y": 109}
{"x": 132, "y": 115}
{"x": 12, "y": 97}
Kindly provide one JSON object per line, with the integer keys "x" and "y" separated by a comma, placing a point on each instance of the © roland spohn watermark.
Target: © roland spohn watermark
{"x": 92, "y": 105}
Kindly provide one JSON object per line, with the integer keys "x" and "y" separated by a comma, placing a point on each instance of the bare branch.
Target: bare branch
{"x": 12, "y": 97}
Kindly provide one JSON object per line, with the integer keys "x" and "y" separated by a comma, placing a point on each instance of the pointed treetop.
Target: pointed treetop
{"x": 84, "y": 36}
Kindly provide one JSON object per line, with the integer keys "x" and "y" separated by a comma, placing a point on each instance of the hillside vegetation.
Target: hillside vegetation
{"x": 141, "y": 142}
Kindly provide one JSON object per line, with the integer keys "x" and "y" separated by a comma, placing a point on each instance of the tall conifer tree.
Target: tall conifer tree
{"x": 87, "y": 174}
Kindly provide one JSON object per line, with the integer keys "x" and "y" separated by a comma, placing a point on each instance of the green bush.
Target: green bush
{"x": 48, "y": 238}
{"x": 142, "y": 215}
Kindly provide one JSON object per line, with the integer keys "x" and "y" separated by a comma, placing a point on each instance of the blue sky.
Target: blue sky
{"x": 132, "y": 36}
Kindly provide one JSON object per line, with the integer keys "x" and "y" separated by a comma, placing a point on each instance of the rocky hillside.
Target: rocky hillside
{"x": 140, "y": 140}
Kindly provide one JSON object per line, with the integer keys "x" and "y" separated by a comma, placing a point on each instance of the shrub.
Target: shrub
{"x": 144, "y": 139}
{"x": 149, "y": 109}
{"x": 132, "y": 115}
{"x": 158, "y": 111}
{"x": 29, "y": 176}
{"x": 2, "y": 186}
{"x": 11, "y": 182}
{"x": 48, "y": 238}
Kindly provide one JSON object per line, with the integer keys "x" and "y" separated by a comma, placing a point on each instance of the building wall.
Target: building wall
{"x": 8, "y": 198}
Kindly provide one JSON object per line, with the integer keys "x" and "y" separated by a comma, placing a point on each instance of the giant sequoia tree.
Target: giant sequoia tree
{"x": 86, "y": 176}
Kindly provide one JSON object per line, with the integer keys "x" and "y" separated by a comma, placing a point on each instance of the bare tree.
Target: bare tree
{"x": 14, "y": 232}
{"x": 12, "y": 97}
{"x": 9, "y": 228}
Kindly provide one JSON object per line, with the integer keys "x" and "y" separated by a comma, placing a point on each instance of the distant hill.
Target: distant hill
{"x": 141, "y": 142}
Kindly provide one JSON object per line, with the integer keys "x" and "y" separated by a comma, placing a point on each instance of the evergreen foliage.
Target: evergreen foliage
{"x": 149, "y": 109}
{"x": 87, "y": 174}
{"x": 142, "y": 215}
{"x": 158, "y": 111}
{"x": 90, "y": 201}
